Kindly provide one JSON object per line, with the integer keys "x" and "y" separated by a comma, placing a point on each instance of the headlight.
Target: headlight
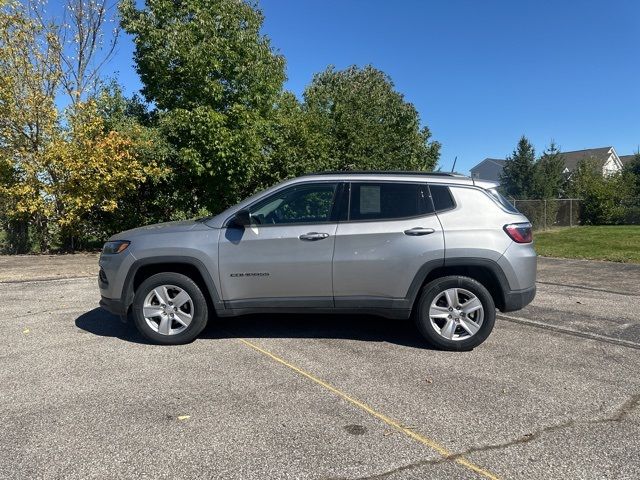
{"x": 118, "y": 246}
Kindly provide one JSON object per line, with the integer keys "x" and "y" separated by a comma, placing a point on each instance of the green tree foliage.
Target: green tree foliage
{"x": 549, "y": 178}
{"x": 214, "y": 79}
{"x": 214, "y": 126}
{"x": 366, "y": 123}
{"x": 153, "y": 201}
{"x": 294, "y": 146}
{"x": 217, "y": 84}
{"x": 517, "y": 177}
{"x": 633, "y": 168}
{"x": 602, "y": 197}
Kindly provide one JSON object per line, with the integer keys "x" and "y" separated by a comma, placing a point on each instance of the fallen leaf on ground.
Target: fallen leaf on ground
{"x": 184, "y": 417}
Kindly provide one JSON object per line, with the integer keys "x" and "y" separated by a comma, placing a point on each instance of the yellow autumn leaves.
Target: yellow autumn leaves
{"x": 57, "y": 165}
{"x": 89, "y": 168}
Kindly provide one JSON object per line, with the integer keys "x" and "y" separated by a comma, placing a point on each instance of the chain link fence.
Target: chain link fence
{"x": 570, "y": 212}
{"x": 544, "y": 214}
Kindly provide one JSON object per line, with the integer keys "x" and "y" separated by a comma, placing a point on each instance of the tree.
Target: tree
{"x": 633, "y": 168}
{"x": 214, "y": 79}
{"x": 29, "y": 79}
{"x": 152, "y": 201}
{"x": 602, "y": 196}
{"x": 294, "y": 146}
{"x": 80, "y": 44}
{"x": 549, "y": 177}
{"x": 57, "y": 166}
{"x": 517, "y": 177}
{"x": 91, "y": 168}
{"x": 366, "y": 123}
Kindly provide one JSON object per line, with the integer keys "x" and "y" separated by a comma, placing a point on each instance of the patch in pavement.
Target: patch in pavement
{"x": 355, "y": 429}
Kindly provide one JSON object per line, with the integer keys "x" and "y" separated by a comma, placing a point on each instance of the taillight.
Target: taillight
{"x": 519, "y": 232}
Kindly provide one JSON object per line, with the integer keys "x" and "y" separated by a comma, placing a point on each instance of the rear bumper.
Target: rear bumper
{"x": 517, "y": 299}
{"x": 114, "y": 305}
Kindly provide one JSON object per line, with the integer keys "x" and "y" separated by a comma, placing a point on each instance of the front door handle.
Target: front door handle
{"x": 313, "y": 236}
{"x": 417, "y": 231}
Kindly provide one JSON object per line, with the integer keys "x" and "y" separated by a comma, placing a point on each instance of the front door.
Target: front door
{"x": 283, "y": 259}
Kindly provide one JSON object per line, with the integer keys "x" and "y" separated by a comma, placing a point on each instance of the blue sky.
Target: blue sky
{"x": 480, "y": 73}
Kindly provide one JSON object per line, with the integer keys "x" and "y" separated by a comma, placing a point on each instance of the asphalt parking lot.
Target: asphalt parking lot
{"x": 553, "y": 393}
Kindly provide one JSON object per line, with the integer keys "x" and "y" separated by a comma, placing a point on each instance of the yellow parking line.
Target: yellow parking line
{"x": 442, "y": 451}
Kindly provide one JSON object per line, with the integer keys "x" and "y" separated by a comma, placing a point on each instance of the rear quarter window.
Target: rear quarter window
{"x": 442, "y": 198}
{"x": 500, "y": 200}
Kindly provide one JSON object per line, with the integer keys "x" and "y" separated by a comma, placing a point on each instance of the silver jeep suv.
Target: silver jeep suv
{"x": 444, "y": 249}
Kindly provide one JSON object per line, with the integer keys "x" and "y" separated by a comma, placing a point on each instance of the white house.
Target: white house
{"x": 605, "y": 157}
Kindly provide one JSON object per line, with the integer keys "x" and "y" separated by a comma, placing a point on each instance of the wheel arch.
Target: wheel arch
{"x": 485, "y": 271}
{"x": 193, "y": 268}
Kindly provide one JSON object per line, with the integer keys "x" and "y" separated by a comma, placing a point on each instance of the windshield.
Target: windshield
{"x": 504, "y": 203}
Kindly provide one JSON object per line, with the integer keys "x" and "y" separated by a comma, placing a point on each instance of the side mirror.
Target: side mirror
{"x": 242, "y": 218}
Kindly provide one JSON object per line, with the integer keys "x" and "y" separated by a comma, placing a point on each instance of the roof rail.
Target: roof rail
{"x": 385, "y": 172}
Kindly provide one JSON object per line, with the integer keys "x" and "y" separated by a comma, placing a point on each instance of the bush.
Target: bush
{"x": 602, "y": 196}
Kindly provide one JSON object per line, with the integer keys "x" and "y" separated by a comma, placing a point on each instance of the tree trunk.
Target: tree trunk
{"x": 17, "y": 240}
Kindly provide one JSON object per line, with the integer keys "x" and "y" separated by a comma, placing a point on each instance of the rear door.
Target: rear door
{"x": 391, "y": 231}
{"x": 283, "y": 259}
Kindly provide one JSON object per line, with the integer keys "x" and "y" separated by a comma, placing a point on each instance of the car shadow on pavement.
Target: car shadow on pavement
{"x": 347, "y": 327}
{"x": 104, "y": 324}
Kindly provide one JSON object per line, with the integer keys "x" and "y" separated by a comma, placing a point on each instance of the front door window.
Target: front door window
{"x": 311, "y": 203}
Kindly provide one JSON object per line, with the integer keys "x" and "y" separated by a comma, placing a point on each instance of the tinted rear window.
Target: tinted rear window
{"x": 442, "y": 199}
{"x": 379, "y": 201}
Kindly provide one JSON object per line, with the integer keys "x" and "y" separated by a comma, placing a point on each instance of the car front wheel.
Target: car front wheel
{"x": 455, "y": 313}
{"x": 170, "y": 309}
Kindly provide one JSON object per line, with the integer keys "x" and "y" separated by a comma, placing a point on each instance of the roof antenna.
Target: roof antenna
{"x": 454, "y": 164}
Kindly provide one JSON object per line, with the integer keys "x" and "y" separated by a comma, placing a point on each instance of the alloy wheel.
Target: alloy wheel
{"x": 456, "y": 314}
{"x": 168, "y": 309}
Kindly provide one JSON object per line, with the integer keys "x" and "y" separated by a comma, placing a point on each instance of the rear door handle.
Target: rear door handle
{"x": 313, "y": 236}
{"x": 417, "y": 231}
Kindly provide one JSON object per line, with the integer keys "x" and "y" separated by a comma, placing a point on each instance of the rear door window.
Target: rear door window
{"x": 387, "y": 201}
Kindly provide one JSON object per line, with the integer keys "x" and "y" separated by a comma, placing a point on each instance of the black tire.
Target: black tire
{"x": 431, "y": 291}
{"x": 200, "y": 311}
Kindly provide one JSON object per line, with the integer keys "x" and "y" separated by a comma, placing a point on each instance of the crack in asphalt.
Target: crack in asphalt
{"x": 593, "y": 289}
{"x": 567, "y": 331}
{"x": 46, "y": 279}
{"x": 618, "y": 415}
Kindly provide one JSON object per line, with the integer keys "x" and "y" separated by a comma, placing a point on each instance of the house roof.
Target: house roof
{"x": 571, "y": 159}
{"x": 497, "y": 161}
{"x": 599, "y": 155}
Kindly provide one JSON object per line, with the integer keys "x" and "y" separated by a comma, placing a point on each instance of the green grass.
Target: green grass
{"x": 615, "y": 243}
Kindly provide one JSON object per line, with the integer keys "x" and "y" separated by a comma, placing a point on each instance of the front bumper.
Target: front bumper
{"x": 114, "y": 305}
{"x": 113, "y": 272}
{"x": 517, "y": 299}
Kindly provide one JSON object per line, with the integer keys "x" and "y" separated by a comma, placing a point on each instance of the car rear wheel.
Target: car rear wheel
{"x": 455, "y": 313}
{"x": 170, "y": 309}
